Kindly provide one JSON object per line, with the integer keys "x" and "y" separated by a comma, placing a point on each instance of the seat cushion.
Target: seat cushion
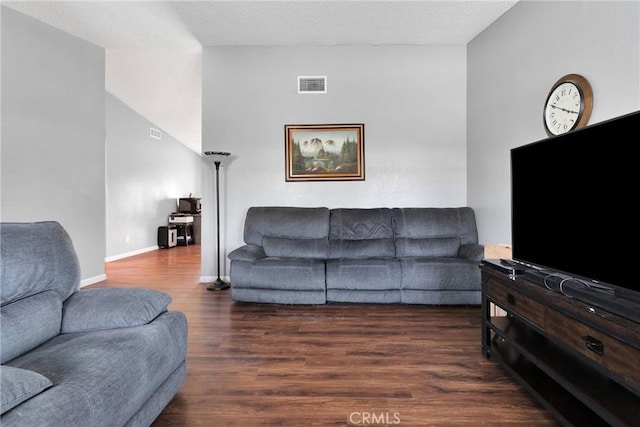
{"x": 440, "y": 274}
{"x": 279, "y": 273}
{"x": 363, "y": 274}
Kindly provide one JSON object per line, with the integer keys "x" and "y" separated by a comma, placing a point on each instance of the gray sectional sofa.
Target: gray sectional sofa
{"x": 315, "y": 255}
{"x": 80, "y": 357}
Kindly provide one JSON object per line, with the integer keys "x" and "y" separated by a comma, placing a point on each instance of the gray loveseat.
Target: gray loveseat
{"x": 80, "y": 357}
{"x": 300, "y": 255}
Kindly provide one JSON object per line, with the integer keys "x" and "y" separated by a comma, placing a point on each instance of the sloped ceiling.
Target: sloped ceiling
{"x": 153, "y": 48}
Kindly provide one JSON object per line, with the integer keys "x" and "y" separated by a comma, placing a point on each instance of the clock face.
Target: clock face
{"x": 563, "y": 108}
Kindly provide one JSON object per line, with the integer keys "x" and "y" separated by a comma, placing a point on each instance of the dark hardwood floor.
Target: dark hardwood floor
{"x": 329, "y": 365}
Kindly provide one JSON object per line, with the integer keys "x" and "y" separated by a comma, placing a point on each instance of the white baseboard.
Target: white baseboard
{"x": 211, "y": 279}
{"x": 132, "y": 253}
{"x": 92, "y": 280}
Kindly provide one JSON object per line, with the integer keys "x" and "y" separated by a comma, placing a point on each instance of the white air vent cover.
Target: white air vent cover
{"x": 155, "y": 133}
{"x": 312, "y": 84}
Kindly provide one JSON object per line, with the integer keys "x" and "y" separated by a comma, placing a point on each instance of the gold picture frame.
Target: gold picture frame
{"x": 331, "y": 152}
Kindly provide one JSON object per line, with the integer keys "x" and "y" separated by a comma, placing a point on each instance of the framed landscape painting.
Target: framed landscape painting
{"x": 324, "y": 152}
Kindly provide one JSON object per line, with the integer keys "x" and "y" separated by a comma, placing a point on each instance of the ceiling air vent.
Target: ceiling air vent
{"x": 155, "y": 133}
{"x": 312, "y": 84}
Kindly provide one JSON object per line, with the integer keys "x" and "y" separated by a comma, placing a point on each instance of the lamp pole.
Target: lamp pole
{"x": 219, "y": 284}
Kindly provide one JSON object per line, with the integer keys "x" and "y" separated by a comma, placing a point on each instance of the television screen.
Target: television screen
{"x": 574, "y": 202}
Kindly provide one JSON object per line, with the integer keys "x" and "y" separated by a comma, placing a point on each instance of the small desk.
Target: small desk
{"x": 184, "y": 225}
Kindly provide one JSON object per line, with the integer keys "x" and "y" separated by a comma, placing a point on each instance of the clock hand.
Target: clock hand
{"x": 564, "y": 109}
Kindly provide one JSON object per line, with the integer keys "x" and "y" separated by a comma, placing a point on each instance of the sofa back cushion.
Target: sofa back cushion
{"x": 295, "y": 248}
{"x": 36, "y": 257}
{"x": 29, "y": 322}
{"x": 433, "y": 232}
{"x": 436, "y": 247}
{"x": 288, "y": 231}
{"x": 361, "y": 233}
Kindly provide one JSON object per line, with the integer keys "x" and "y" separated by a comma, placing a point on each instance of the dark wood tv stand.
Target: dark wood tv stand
{"x": 578, "y": 361}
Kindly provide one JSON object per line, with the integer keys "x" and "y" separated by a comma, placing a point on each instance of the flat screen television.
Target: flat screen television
{"x": 575, "y": 205}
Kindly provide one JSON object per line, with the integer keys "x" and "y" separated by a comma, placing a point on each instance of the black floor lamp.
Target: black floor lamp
{"x": 217, "y": 157}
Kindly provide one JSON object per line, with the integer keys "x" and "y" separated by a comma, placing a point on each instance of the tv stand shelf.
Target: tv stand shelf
{"x": 580, "y": 364}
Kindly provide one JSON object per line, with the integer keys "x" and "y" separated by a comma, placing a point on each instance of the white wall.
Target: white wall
{"x": 511, "y": 68}
{"x": 144, "y": 177}
{"x": 56, "y": 120}
{"x": 163, "y": 85}
{"x": 411, "y": 99}
{"x": 53, "y": 134}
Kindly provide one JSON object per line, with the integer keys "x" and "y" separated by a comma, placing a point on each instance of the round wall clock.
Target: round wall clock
{"x": 568, "y": 105}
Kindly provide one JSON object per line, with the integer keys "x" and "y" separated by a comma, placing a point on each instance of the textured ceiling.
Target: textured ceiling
{"x": 144, "y": 24}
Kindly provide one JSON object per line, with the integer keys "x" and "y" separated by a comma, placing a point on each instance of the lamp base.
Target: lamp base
{"x": 218, "y": 285}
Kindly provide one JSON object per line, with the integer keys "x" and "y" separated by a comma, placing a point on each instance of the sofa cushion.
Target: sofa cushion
{"x": 18, "y": 385}
{"x": 96, "y": 309}
{"x": 363, "y": 274}
{"x": 370, "y": 248}
{"x": 287, "y": 222}
{"x": 361, "y": 233}
{"x": 303, "y": 274}
{"x": 101, "y": 378}
{"x": 35, "y": 257}
{"x": 440, "y": 274}
{"x": 360, "y": 224}
{"x": 29, "y": 322}
{"x": 295, "y": 248}
{"x": 427, "y": 248}
{"x": 424, "y": 223}
{"x": 474, "y": 252}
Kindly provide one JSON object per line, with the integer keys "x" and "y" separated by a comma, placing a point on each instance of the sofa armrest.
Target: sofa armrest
{"x": 247, "y": 253}
{"x": 110, "y": 308}
{"x": 473, "y": 252}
